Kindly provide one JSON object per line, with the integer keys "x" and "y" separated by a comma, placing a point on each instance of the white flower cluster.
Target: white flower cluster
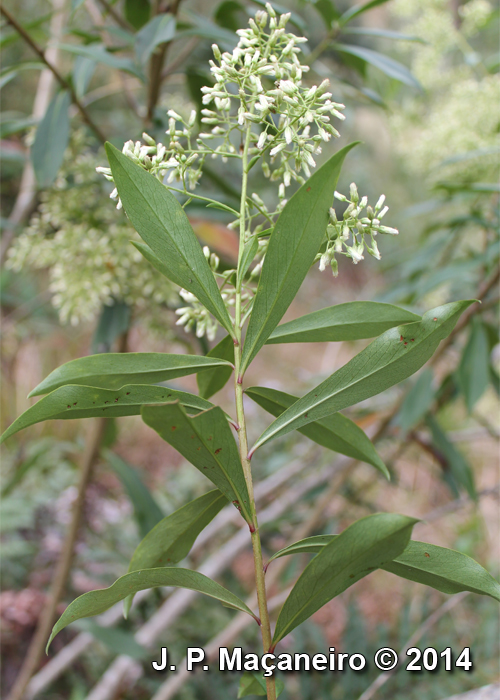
{"x": 76, "y": 236}
{"x": 285, "y": 120}
{"x": 347, "y": 237}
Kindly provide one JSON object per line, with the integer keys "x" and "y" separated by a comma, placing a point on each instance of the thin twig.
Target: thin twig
{"x": 121, "y": 21}
{"x": 62, "y": 81}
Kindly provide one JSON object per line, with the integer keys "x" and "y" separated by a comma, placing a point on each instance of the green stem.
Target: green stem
{"x": 243, "y": 443}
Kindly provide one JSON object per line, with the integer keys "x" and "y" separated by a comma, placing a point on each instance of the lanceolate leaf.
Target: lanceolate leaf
{"x": 444, "y": 569}
{"x": 96, "y": 602}
{"x": 172, "y": 538}
{"x": 90, "y": 402}
{"x": 365, "y": 545}
{"x": 389, "y": 359}
{"x": 146, "y": 510}
{"x": 159, "y": 30}
{"x": 51, "y": 139}
{"x": 336, "y": 432}
{"x": 214, "y": 379}
{"x": 111, "y": 370}
{"x": 417, "y": 401}
{"x": 162, "y": 223}
{"x": 457, "y": 469}
{"x": 473, "y": 373}
{"x": 255, "y": 684}
{"x": 386, "y": 64}
{"x": 293, "y": 245}
{"x": 353, "y": 320}
{"x": 356, "y": 10}
{"x": 206, "y": 441}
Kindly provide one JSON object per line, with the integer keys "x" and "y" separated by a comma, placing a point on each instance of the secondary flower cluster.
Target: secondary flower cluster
{"x": 347, "y": 236}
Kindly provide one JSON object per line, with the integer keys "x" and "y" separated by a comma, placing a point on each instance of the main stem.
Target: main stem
{"x": 243, "y": 442}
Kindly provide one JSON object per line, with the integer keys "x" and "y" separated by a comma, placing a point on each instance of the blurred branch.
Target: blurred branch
{"x": 62, "y": 81}
{"x": 180, "y": 58}
{"x": 121, "y": 21}
{"x": 383, "y": 677}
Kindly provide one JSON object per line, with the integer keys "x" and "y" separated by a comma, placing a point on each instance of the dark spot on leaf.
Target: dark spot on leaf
{"x": 218, "y": 450}
{"x": 75, "y": 403}
{"x": 427, "y": 555}
{"x": 413, "y": 340}
{"x": 192, "y": 437}
{"x": 305, "y": 415}
{"x": 68, "y": 406}
{"x": 406, "y": 343}
{"x": 167, "y": 395}
{"x": 128, "y": 393}
{"x": 174, "y": 427}
{"x": 198, "y": 449}
{"x": 117, "y": 399}
{"x": 434, "y": 319}
{"x": 106, "y": 402}
{"x": 351, "y": 576}
{"x": 210, "y": 438}
{"x": 401, "y": 338}
{"x": 308, "y": 189}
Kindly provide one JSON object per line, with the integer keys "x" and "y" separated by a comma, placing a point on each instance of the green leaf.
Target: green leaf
{"x": 336, "y": 432}
{"x": 228, "y": 15}
{"x": 111, "y": 370}
{"x": 159, "y": 30}
{"x": 146, "y": 510}
{"x": 162, "y": 223}
{"x": 117, "y": 640}
{"x": 357, "y": 10}
{"x": 473, "y": 371}
{"x": 388, "y": 360}
{"x": 458, "y": 468}
{"x": 51, "y": 139}
{"x": 83, "y": 70}
{"x": 365, "y": 545}
{"x": 171, "y": 540}
{"x": 113, "y": 322}
{"x": 383, "y": 33}
{"x": 74, "y": 401}
{"x": 387, "y": 65}
{"x": 96, "y": 602}
{"x": 206, "y": 441}
{"x": 353, "y": 320}
{"x": 293, "y": 245}
{"x": 444, "y": 569}
{"x": 417, "y": 401}
{"x": 99, "y": 54}
{"x": 214, "y": 379}
{"x": 137, "y": 12}
{"x": 254, "y": 684}
{"x": 247, "y": 257}
{"x": 327, "y": 10}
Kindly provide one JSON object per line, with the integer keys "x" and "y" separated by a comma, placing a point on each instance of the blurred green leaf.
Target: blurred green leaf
{"x": 417, "y": 401}
{"x": 99, "y": 54}
{"x": 357, "y": 10}
{"x": 327, "y": 10}
{"x": 159, "y": 30}
{"x": 165, "y": 228}
{"x": 113, "y": 322}
{"x": 353, "y": 320}
{"x": 228, "y": 14}
{"x": 336, "y": 432}
{"x": 293, "y": 245}
{"x": 83, "y": 70}
{"x": 365, "y": 545}
{"x": 388, "y": 360}
{"x": 69, "y": 402}
{"x": 51, "y": 139}
{"x": 96, "y": 602}
{"x": 387, "y": 65}
{"x": 473, "y": 371}
{"x": 206, "y": 441}
{"x": 137, "y": 12}
{"x": 382, "y": 33}
{"x": 118, "y": 641}
{"x": 214, "y": 379}
{"x": 254, "y": 684}
{"x": 146, "y": 510}
{"x": 111, "y": 370}
{"x": 458, "y": 468}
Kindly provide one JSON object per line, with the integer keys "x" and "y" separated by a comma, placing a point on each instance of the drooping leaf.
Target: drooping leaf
{"x": 353, "y": 320}
{"x": 248, "y": 255}
{"x": 83, "y": 70}
{"x": 441, "y": 568}
{"x": 75, "y": 401}
{"x": 137, "y": 12}
{"x": 159, "y": 30}
{"x": 254, "y": 684}
{"x": 146, "y": 510}
{"x": 417, "y": 401}
{"x": 99, "y": 54}
{"x": 293, "y": 245}
{"x": 388, "y": 360}
{"x": 96, "y": 602}
{"x": 214, "y": 379}
{"x": 335, "y": 432}
{"x": 206, "y": 441}
{"x": 111, "y": 370}
{"x": 171, "y": 540}
{"x": 357, "y": 10}
{"x": 51, "y": 139}
{"x": 456, "y": 466}
{"x": 327, "y": 10}
{"x": 162, "y": 223}
{"x": 228, "y": 15}
{"x": 394, "y": 69}
{"x": 113, "y": 322}
{"x": 473, "y": 371}
{"x": 117, "y": 640}
{"x": 204, "y": 28}
{"x": 365, "y": 545}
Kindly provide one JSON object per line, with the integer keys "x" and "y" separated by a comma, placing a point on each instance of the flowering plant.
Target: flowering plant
{"x": 282, "y": 128}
